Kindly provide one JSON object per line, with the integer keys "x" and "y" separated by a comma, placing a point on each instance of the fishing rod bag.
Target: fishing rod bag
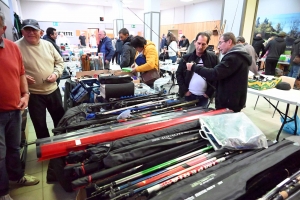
{"x": 114, "y": 79}
{"x": 247, "y": 176}
{"x": 115, "y": 158}
{"x": 130, "y": 148}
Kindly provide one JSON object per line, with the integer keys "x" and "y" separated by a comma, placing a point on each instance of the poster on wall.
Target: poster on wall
{"x": 270, "y": 25}
{"x": 66, "y": 33}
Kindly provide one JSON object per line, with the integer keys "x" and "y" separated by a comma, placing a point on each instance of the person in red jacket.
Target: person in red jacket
{"x": 14, "y": 97}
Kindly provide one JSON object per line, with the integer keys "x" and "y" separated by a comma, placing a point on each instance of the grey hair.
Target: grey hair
{"x": 2, "y": 17}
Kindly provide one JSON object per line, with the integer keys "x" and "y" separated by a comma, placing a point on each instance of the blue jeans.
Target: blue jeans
{"x": 173, "y": 58}
{"x": 294, "y": 71}
{"x": 10, "y": 140}
{"x": 203, "y": 101}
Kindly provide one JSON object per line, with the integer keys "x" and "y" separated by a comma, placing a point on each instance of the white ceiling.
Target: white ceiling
{"x": 138, "y": 4}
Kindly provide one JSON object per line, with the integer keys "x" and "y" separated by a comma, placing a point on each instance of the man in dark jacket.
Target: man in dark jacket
{"x": 276, "y": 47}
{"x": 294, "y": 70}
{"x": 185, "y": 42}
{"x": 105, "y": 47}
{"x": 191, "y": 85}
{"x": 51, "y": 36}
{"x": 119, "y": 46}
{"x": 128, "y": 52}
{"x": 258, "y": 45}
{"x": 231, "y": 74}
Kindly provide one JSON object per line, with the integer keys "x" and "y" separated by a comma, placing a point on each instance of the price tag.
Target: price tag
{"x": 77, "y": 142}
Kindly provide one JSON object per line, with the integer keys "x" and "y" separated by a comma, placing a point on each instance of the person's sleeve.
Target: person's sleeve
{"x": 58, "y": 62}
{"x": 125, "y": 57}
{"x": 224, "y": 69}
{"x": 212, "y": 87}
{"x": 268, "y": 46}
{"x": 20, "y": 61}
{"x": 110, "y": 49}
{"x": 151, "y": 56}
{"x": 180, "y": 77}
{"x": 263, "y": 50}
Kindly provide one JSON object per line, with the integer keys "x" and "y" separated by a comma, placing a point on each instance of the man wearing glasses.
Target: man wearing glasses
{"x": 39, "y": 56}
{"x": 231, "y": 74}
{"x": 191, "y": 85}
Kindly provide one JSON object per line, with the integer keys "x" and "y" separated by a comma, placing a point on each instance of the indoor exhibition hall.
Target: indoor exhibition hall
{"x": 149, "y": 99}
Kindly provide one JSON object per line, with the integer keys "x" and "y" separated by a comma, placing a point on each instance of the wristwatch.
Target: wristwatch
{"x": 25, "y": 93}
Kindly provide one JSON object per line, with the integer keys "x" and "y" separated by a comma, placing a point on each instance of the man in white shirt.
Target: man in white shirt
{"x": 191, "y": 85}
{"x": 93, "y": 41}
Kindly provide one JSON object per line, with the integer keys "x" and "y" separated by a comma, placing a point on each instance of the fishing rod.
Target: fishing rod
{"x": 161, "y": 174}
{"x": 152, "y": 169}
{"x": 183, "y": 174}
{"x": 125, "y": 166}
{"x": 142, "y": 104}
{"x": 202, "y": 165}
{"x": 288, "y": 192}
{"x": 157, "y": 111}
{"x": 275, "y": 190}
{"x": 168, "y": 46}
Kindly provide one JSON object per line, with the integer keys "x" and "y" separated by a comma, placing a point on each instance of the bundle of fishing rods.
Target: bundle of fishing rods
{"x": 141, "y": 168}
{"x": 289, "y": 188}
{"x": 127, "y": 121}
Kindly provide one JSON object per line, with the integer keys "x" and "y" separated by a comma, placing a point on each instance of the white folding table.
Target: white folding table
{"x": 170, "y": 67}
{"x": 290, "y": 97}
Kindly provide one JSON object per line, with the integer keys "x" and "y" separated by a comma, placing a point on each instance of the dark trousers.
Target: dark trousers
{"x": 270, "y": 66}
{"x": 203, "y": 101}
{"x": 37, "y": 110}
{"x": 106, "y": 66}
{"x": 115, "y": 58}
{"x": 10, "y": 139}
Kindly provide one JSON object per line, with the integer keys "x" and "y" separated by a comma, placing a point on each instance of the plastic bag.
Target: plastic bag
{"x": 234, "y": 131}
{"x": 159, "y": 83}
{"x": 290, "y": 126}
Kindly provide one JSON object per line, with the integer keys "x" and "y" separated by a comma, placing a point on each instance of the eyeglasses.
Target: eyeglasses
{"x": 221, "y": 42}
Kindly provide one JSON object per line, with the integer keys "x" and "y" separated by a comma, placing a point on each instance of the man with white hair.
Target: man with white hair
{"x": 105, "y": 47}
{"x": 39, "y": 56}
{"x": 14, "y": 98}
{"x": 62, "y": 40}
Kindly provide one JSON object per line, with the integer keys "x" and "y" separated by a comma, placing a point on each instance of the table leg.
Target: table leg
{"x": 173, "y": 81}
{"x": 284, "y": 121}
{"x": 295, "y": 118}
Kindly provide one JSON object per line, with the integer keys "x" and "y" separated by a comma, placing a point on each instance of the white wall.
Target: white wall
{"x": 200, "y": 12}
{"x": 233, "y": 14}
{"x": 61, "y": 12}
{"x": 72, "y": 17}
